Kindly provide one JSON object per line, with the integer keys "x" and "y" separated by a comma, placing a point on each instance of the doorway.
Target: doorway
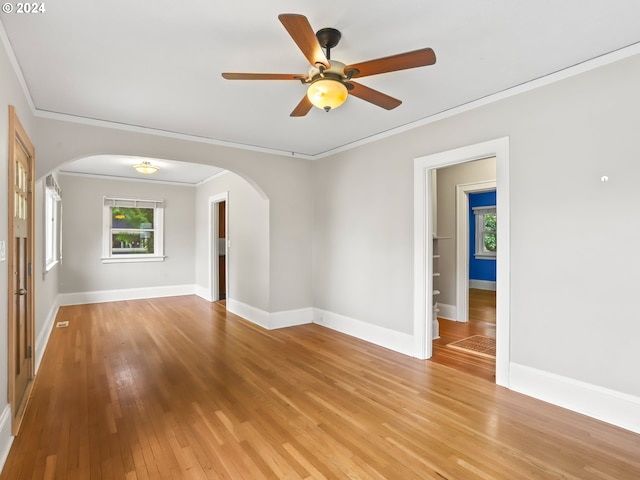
{"x": 222, "y": 250}
{"x": 219, "y": 247}
{"x": 423, "y": 246}
{"x": 462, "y": 243}
{"x": 21, "y": 281}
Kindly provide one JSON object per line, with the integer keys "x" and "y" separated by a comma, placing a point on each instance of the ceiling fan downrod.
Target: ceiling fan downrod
{"x": 328, "y": 38}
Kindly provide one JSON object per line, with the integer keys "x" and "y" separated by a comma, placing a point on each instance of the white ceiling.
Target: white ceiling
{"x": 120, "y": 166}
{"x": 157, "y": 64}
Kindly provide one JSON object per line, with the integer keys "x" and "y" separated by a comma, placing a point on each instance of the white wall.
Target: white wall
{"x": 448, "y": 178}
{"x": 82, "y": 269}
{"x": 573, "y": 288}
{"x": 248, "y": 232}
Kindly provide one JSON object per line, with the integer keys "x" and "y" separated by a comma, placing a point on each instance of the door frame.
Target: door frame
{"x": 17, "y": 132}
{"x": 214, "y": 292}
{"x": 423, "y": 247}
{"x": 462, "y": 244}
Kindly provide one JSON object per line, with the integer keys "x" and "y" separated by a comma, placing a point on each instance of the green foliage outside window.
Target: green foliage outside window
{"x": 132, "y": 230}
{"x": 490, "y": 224}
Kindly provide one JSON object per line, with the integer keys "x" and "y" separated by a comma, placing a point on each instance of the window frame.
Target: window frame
{"x": 480, "y": 251}
{"x": 52, "y": 218}
{"x": 107, "y": 231}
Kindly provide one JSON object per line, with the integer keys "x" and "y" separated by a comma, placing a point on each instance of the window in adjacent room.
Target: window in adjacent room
{"x": 486, "y": 223}
{"x": 53, "y": 229}
{"x": 133, "y": 230}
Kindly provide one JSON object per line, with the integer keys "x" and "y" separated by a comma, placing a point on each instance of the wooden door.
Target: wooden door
{"x": 21, "y": 312}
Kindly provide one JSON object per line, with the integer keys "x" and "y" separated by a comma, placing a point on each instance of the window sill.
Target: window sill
{"x": 484, "y": 257}
{"x": 133, "y": 259}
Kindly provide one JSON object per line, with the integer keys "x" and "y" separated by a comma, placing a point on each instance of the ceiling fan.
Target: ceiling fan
{"x": 329, "y": 81}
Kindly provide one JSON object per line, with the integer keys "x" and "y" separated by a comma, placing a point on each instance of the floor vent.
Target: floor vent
{"x": 62, "y": 324}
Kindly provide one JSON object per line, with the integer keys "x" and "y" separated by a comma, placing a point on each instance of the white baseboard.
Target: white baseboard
{"x": 482, "y": 284}
{"x": 204, "y": 293}
{"x": 384, "y": 337}
{"x": 449, "y": 312}
{"x": 291, "y": 318}
{"x": 45, "y": 333}
{"x": 6, "y": 438}
{"x": 616, "y": 408}
{"x": 248, "y": 312}
{"x": 102, "y": 296}
{"x": 270, "y": 321}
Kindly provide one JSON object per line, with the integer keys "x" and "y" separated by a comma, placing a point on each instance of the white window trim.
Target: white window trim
{"x": 158, "y": 238}
{"x": 52, "y": 219}
{"x": 480, "y": 253}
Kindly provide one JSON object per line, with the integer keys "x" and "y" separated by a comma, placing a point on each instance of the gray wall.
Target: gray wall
{"x": 448, "y": 178}
{"x": 10, "y": 94}
{"x": 344, "y": 224}
{"x": 46, "y": 284}
{"x": 248, "y": 231}
{"x": 82, "y": 269}
{"x": 285, "y": 181}
{"x": 572, "y": 289}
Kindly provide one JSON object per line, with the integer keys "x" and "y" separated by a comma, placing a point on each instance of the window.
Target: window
{"x": 52, "y": 225}
{"x": 486, "y": 223}
{"x": 132, "y": 230}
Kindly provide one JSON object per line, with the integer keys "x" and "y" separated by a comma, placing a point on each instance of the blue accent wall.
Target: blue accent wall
{"x": 484, "y": 269}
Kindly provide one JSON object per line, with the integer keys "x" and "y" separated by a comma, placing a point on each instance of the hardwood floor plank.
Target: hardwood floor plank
{"x": 482, "y": 321}
{"x": 177, "y": 388}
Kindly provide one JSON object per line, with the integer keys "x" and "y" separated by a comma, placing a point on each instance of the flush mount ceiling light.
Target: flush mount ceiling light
{"x": 146, "y": 168}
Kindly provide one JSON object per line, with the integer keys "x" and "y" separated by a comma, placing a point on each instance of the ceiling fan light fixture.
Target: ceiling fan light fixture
{"x": 146, "y": 168}
{"x": 327, "y": 93}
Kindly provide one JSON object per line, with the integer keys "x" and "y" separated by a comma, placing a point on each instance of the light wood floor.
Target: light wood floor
{"x": 482, "y": 321}
{"x": 176, "y": 388}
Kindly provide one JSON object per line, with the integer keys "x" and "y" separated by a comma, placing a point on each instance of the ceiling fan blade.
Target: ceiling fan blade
{"x": 401, "y": 61}
{"x": 302, "y": 108}
{"x": 263, "y": 76}
{"x": 300, "y": 30}
{"x": 374, "y": 96}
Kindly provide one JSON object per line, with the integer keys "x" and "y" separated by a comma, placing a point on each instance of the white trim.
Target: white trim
{"x": 448, "y": 312}
{"x": 423, "y": 247}
{"x": 81, "y": 298}
{"x": 291, "y": 318}
{"x": 270, "y": 321}
{"x": 45, "y": 333}
{"x": 462, "y": 243}
{"x": 213, "y": 247}
{"x": 482, "y": 285}
{"x": 611, "y": 406}
{"x": 6, "y": 439}
{"x": 204, "y": 293}
{"x": 134, "y": 259}
{"x": 248, "y": 312}
{"x": 384, "y": 337}
{"x": 129, "y": 179}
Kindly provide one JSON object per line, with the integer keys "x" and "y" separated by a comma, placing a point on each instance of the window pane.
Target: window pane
{"x": 132, "y": 242}
{"x": 490, "y": 242}
{"x": 490, "y": 221}
{"x": 126, "y": 217}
